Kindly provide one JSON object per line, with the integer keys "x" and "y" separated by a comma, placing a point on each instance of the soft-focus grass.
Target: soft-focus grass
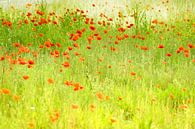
{"x": 159, "y": 96}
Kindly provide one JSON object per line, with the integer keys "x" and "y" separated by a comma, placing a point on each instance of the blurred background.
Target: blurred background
{"x": 161, "y": 9}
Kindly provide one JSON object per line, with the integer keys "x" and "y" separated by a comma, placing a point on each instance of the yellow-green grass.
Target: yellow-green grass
{"x": 136, "y": 86}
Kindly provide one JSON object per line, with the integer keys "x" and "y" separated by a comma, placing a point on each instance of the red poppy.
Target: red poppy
{"x": 48, "y": 44}
{"x": 99, "y": 38}
{"x": 68, "y": 83}
{"x": 16, "y": 44}
{"x": 75, "y": 37}
{"x": 190, "y": 45}
{"x": 66, "y": 64}
{"x": 160, "y": 46}
{"x": 5, "y": 91}
{"x": 105, "y": 31}
{"x": 169, "y": 54}
{"x": 50, "y": 81}
{"x": 90, "y": 38}
{"x": 100, "y": 95}
{"x": 92, "y": 28}
{"x": 74, "y": 106}
{"x": 31, "y": 62}
{"x": 133, "y": 73}
{"x": 70, "y": 48}
{"x": 25, "y": 77}
{"x": 88, "y": 47}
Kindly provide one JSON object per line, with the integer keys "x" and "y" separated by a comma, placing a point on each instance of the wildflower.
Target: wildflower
{"x": 100, "y": 95}
{"x": 133, "y": 73}
{"x": 155, "y": 21}
{"x": 113, "y": 120}
{"x": 74, "y": 106}
{"x": 25, "y": 77}
{"x": 183, "y": 106}
{"x": 169, "y": 54}
{"x": 92, "y": 28}
{"x": 90, "y": 39}
{"x": 68, "y": 83}
{"x": 50, "y": 81}
{"x": 88, "y": 47}
{"x": 70, "y": 48}
{"x": 120, "y": 98}
{"x": 66, "y": 64}
{"x": 5, "y": 91}
{"x": 31, "y": 125}
{"x": 190, "y": 45}
{"x": 31, "y": 62}
{"x": 48, "y": 44}
{"x": 160, "y": 46}
{"x": 16, "y": 97}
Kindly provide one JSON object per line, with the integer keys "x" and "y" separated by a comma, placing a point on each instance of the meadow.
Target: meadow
{"x": 62, "y": 67}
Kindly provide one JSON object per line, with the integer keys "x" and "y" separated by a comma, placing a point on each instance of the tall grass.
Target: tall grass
{"x": 59, "y": 73}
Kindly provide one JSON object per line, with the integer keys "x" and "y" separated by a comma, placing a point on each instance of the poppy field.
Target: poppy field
{"x": 62, "y": 67}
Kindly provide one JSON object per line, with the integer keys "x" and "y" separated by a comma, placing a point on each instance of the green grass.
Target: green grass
{"x": 126, "y": 83}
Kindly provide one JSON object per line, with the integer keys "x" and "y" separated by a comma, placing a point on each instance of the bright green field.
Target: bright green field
{"x": 65, "y": 68}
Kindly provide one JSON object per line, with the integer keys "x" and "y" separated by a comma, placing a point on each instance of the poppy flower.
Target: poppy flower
{"x": 83, "y": 30}
{"x": 133, "y": 73}
{"x": 5, "y": 91}
{"x": 169, "y": 54}
{"x": 16, "y": 44}
{"x": 68, "y": 83}
{"x": 105, "y": 31}
{"x": 92, "y": 28}
{"x": 88, "y": 47}
{"x": 31, "y": 62}
{"x": 145, "y": 48}
{"x": 40, "y": 12}
{"x": 2, "y": 58}
{"x": 50, "y": 81}
{"x": 31, "y": 125}
{"x": 66, "y": 64}
{"x": 100, "y": 95}
{"x": 29, "y": 66}
{"x": 181, "y": 48}
{"x": 155, "y": 21}
{"x": 58, "y": 44}
{"x": 160, "y": 46}
{"x": 74, "y": 106}
{"x": 119, "y": 98}
{"x": 76, "y": 54}
{"x": 77, "y": 87}
{"x": 183, "y": 106}
{"x": 186, "y": 54}
{"x": 133, "y": 36}
{"x": 16, "y": 97}
{"x": 90, "y": 38}
{"x": 190, "y": 45}
{"x": 48, "y": 44}
{"x": 22, "y": 62}
{"x": 75, "y": 37}
{"x": 75, "y": 45}
{"x": 28, "y": 14}
{"x": 99, "y": 38}
{"x": 70, "y": 48}
{"x": 113, "y": 120}
{"x": 25, "y": 77}
{"x": 41, "y": 46}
